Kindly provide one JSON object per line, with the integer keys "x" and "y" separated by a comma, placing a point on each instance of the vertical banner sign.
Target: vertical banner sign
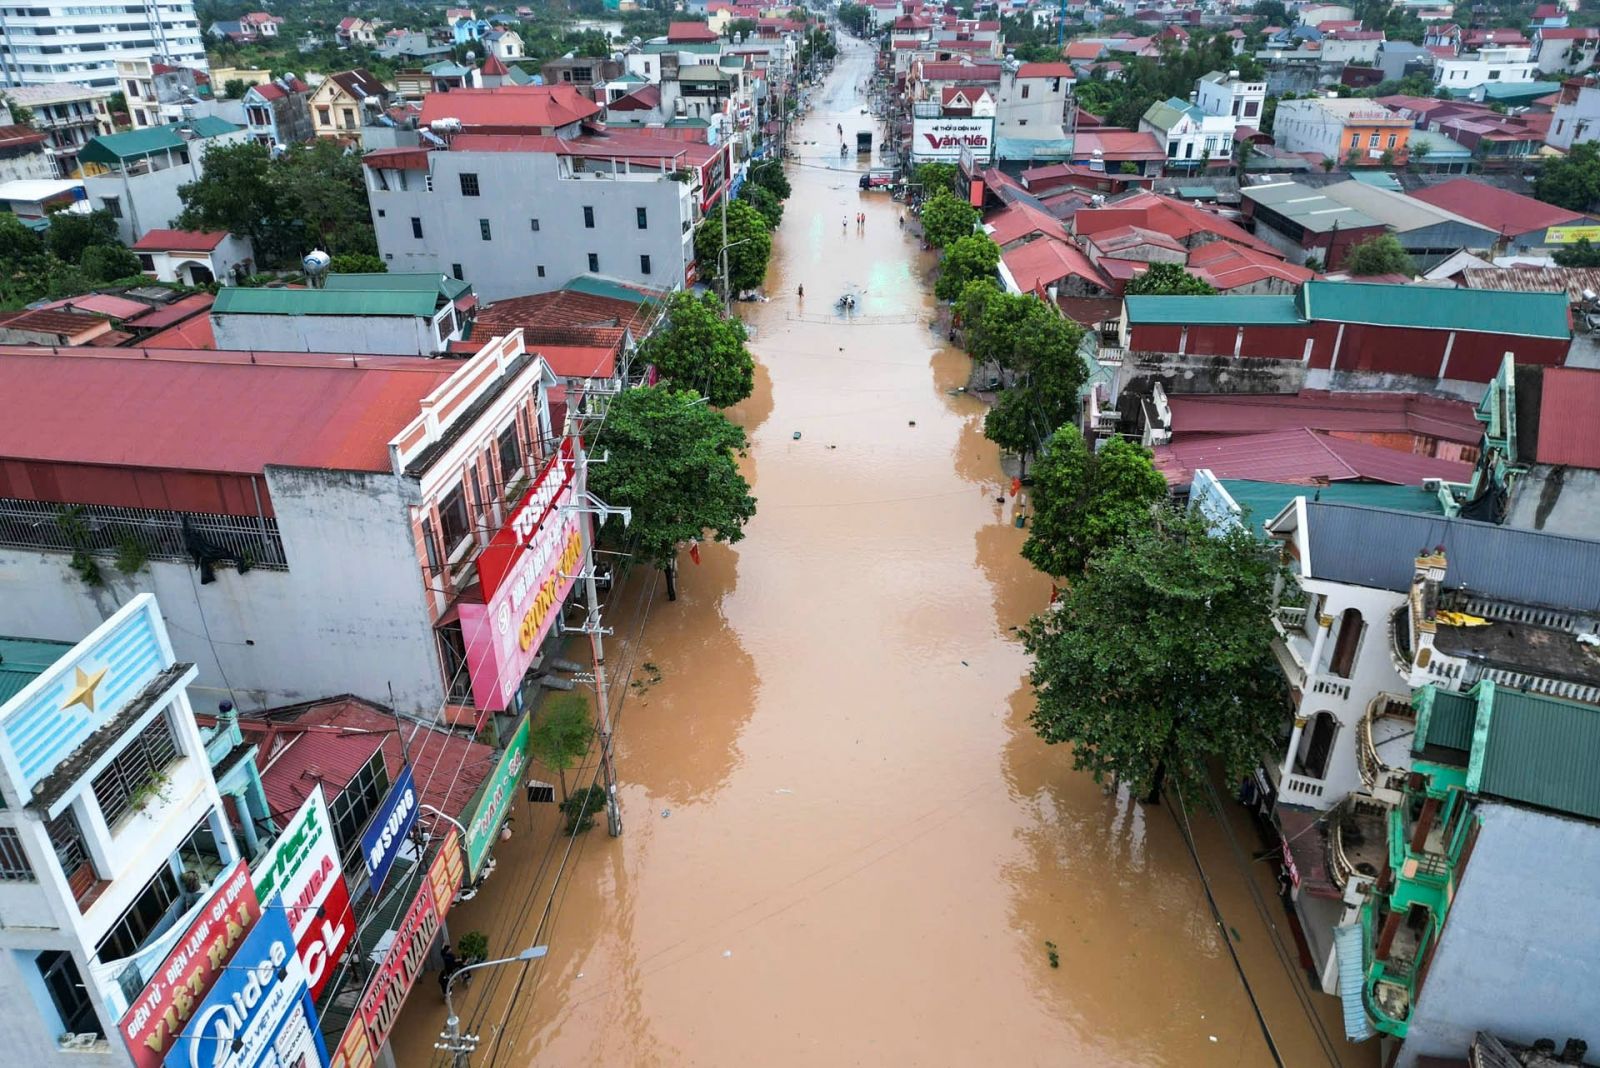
{"x": 408, "y": 954}
{"x": 302, "y": 868}
{"x": 498, "y": 792}
{"x": 259, "y": 1014}
{"x": 384, "y": 836}
{"x": 521, "y": 573}
{"x": 162, "y": 1010}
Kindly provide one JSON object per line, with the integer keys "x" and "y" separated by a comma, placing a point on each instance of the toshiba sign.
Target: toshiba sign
{"x": 943, "y": 139}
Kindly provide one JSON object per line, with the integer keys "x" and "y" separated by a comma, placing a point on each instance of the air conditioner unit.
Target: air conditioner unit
{"x": 1431, "y": 485}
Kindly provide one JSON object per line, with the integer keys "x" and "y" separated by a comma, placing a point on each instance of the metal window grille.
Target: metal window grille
{"x": 469, "y": 185}
{"x": 357, "y": 801}
{"x": 134, "y": 769}
{"x": 106, "y": 530}
{"x": 14, "y": 866}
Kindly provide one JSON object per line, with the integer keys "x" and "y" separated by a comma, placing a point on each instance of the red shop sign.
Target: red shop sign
{"x": 500, "y": 555}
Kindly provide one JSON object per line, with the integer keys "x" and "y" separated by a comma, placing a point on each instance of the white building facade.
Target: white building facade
{"x": 1230, "y": 96}
{"x": 70, "y": 116}
{"x": 82, "y": 42}
{"x": 1576, "y": 118}
{"x": 113, "y": 834}
{"x": 1509, "y": 64}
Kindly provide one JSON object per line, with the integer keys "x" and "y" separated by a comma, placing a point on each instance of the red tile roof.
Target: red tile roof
{"x": 1169, "y": 215}
{"x": 50, "y": 321}
{"x": 1229, "y": 266}
{"x": 493, "y": 67}
{"x": 1571, "y": 33}
{"x": 1569, "y": 432}
{"x": 359, "y": 83}
{"x": 1089, "y": 50}
{"x": 1239, "y": 413}
{"x": 690, "y": 33}
{"x": 106, "y": 304}
{"x": 230, "y": 412}
{"x": 176, "y": 312}
{"x": 180, "y": 240}
{"x": 1118, "y": 145}
{"x": 1300, "y": 456}
{"x": 1042, "y": 263}
{"x": 1123, "y": 238}
{"x": 1498, "y": 209}
{"x": 1046, "y": 70}
{"x": 563, "y": 309}
{"x": 16, "y": 136}
{"x": 644, "y": 98}
{"x": 193, "y": 333}
{"x": 510, "y": 108}
{"x": 1018, "y": 220}
{"x": 953, "y": 71}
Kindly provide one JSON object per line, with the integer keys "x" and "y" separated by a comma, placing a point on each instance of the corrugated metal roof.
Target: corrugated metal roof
{"x": 1352, "y": 982}
{"x": 1500, "y": 209}
{"x": 410, "y": 281}
{"x": 1438, "y": 308}
{"x": 1569, "y": 417}
{"x": 1573, "y": 280}
{"x": 1310, "y": 208}
{"x": 1299, "y": 455}
{"x": 234, "y": 300}
{"x": 1260, "y": 501}
{"x": 1378, "y": 547}
{"x": 1233, "y": 413}
{"x": 1541, "y": 751}
{"x": 137, "y": 144}
{"x": 24, "y": 659}
{"x": 1249, "y": 310}
{"x": 1450, "y": 721}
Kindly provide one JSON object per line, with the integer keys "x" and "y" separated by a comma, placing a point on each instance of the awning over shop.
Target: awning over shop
{"x": 1305, "y": 850}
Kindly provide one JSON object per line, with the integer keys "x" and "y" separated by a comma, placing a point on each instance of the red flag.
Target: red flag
{"x": 1016, "y": 486}
{"x": 1055, "y": 594}
{"x": 694, "y": 551}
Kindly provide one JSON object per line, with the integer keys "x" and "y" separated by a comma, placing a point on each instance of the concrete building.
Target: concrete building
{"x": 1195, "y": 141}
{"x": 136, "y": 175}
{"x": 31, "y": 199}
{"x": 279, "y": 112}
{"x": 1577, "y": 115}
{"x": 1491, "y": 64}
{"x": 1033, "y": 100}
{"x": 1326, "y": 221}
{"x": 391, "y": 314}
{"x": 195, "y": 258}
{"x": 344, "y": 103}
{"x": 82, "y": 44}
{"x": 1563, "y": 52}
{"x": 1358, "y": 48}
{"x": 22, "y": 155}
{"x": 622, "y": 205}
{"x": 159, "y": 93}
{"x": 70, "y": 116}
{"x": 113, "y": 833}
{"x": 275, "y": 501}
{"x": 1232, "y": 97}
{"x": 1361, "y": 131}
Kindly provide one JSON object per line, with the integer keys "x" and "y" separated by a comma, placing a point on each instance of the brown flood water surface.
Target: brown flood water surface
{"x": 844, "y": 844}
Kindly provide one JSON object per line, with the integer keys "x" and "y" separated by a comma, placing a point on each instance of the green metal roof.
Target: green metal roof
{"x": 137, "y": 144}
{"x": 1381, "y": 179}
{"x": 1448, "y": 722}
{"x": 604, "y": 287}
{"x": 1273, "y": 310}
{"x": 710, "y": 48}
{"x": 1510, "y": 92}
{"x": 1197, "y": 192}
{"x": 409, "y": 281}
{"x": 1430, "y": 308}
{"x": 1165, "y": 114}
{"x": 700, "y": 73}
{"x": 1539, "y": 751}
{"x": 24, "y": 659}
{"x": 1440, "y": 148}
{"x": 240, "y": 301}
{"x": 1260, "y": 501}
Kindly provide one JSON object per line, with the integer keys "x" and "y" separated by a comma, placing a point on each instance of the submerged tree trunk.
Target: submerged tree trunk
{"x": 1157, "y": 781}
{"x": 672, "y": 581}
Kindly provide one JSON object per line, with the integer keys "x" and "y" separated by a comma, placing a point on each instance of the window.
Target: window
{"x": 14, "y": 866}
{"x": 147, "y": 262}
{"x": 642, "y": 217}
{"x": 416, "y": 227}
{"x": 324, "y": 116}
{"x": 430, "y": 546}
{"x": 356, "y": 802}
{"x": 133, "y": 774}
{"x": 535, "y": 223}
{"x": 456, "y": 273}
{"x": 594, "y": 263}
{"x": 469, "y": 184}
{"x": 349, "y": 117}
{"x": 1372, "y": 141}
{"x": 1392, "y": 140}
{"x": 541, "y": 270}
{"x": 68, "y": 993}
{"x": 1355, "y": 140}
{"x": 1022, "y": 122}
{"x": 1494, "y": 76}
{"x": 113, "y": 206}
{"x": 142, "y": 917}
{"x": 1318, "y": 743}
{"x": 1172, "y": 150}
{"x": 1348, "y": 643}
{"x": 382, "y": 214}
{"x": 510, "y": 455}
{"x": 1024, "y": 92}
{"x": 454, "y": 522}
{"x": 644, "y": 264}
{"x": 483, "y": 229}
{"x": 588, "y": 218}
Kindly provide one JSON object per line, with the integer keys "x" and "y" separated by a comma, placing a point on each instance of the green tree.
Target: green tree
{"x": 1382, "y": 254}
{"x": 1085, "y": 501}
{"x": 749, "y": 246}
{"x": 357, "y": 263}
{"x": 21, "y": 115}
{"x": 936, "y": 178}
{"x": 1579, "y": 254}
{"x": 23, "y": 263}
{"x": 769, "y": 175}
{"x": 674, "y": 460}
{"x": 108, "y": 263}
{"x": 1158, "y": 658}
{"x": 969, "y": 259}
{"x": 1572, "y": 182}
{"x": 71, "y": 234}
{"x": 763, "y": 200}
{"x": 234, "y": 89}
{"x": 1029, "y": 339}
{"x": 561, "y": 734}
{"x": 325, "y": 190}
{"x": 700, "y": 349}
{"x": 743, "y": 27}
{"x": 945, "y": 219}
{"x": 854, "y": 17}
{"x": 237, "y": 194}
{"x": 1165, "y": 279}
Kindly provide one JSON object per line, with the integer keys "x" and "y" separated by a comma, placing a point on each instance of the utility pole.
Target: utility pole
{"x": 452, "y": 1041}
{"x": 591, "y": 512}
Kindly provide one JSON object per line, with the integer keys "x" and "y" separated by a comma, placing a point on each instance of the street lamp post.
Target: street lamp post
{"x": 458, "y": 1045}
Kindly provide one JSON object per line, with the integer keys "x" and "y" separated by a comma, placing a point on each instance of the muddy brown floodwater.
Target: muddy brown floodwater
{"x": 843, "y": 844}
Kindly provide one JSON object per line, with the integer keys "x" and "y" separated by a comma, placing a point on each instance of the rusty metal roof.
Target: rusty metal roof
{"x": 1569, "y": 418}
{"x": 1574, "y": 280}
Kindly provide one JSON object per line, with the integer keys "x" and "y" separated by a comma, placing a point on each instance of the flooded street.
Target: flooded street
{"x": 844, "y": 843}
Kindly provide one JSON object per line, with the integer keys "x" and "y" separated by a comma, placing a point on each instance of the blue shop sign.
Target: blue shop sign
{"x": 386, "y": 834}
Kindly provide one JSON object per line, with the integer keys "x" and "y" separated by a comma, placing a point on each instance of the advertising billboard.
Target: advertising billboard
{"x": 498, "y": 792}
{"x": 259, "y": 1013}
{"x": 509, "y": 542}
{"x": 392, "y": 979}
{"x": 503, "y": 635}
{"x": 166, "y": 1005}
{"x": 386, "y": 834}
{"x": 302, "y": 869}
{"x": 1571, "y": 235}
{"x": 942, "y": 139}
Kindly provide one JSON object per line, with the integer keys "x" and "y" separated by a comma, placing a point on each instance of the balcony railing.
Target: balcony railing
{"x": 103, "y": 530}
{"x": 1300, "y": 790}
{"x": 1374, "y": 772}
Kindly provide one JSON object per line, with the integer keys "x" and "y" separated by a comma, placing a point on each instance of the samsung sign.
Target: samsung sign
{"x": 388, "y": 829}
{"x": 943, "y": 139}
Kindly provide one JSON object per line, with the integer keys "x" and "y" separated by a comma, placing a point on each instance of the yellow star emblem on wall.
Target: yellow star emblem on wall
{"x": 83, "y": 692}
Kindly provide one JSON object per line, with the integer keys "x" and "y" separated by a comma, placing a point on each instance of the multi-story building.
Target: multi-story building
{"x": 1033, "y": 100}
{"x": 1362, "y": 131}
{"x": 82, "y": 43}
{"x": 392, "y": 314}
{"x": 279, "y": 112}
{"x": 622, "y": 205}
{"x": 1232, "y": 97}
{"x": 1498, "y": 64}
{"x": 301, "y": 531}
{"x": 70, "y": 116}
{"x": 136, "y": 176}
{"x": 22, "y": 155}
{"x": 159, "y": 93}
{"x": 113, "y": 834}
{"x": 1195, "y": 141}
{"x": 1577, "y": 114}
{"x": 1563, "y": 52}
{"x": 343, "y": 104}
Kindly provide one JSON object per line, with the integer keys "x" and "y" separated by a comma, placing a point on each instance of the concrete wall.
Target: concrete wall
{"x": 150, "y": 201}
{"x": 394, "y": 335}
{"x": 1520, "y": 953}
{"x": 27, "y": 165}
{"x": 515, "y": 189}
{"x": 348, "y": 615}
{"x": 1034, "y": 115}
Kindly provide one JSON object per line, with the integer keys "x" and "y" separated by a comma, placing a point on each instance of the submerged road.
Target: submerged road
{"x": 844, "y": 844}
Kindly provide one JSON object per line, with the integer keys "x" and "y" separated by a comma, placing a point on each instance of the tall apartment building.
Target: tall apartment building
{"x": 82, "y": 41}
